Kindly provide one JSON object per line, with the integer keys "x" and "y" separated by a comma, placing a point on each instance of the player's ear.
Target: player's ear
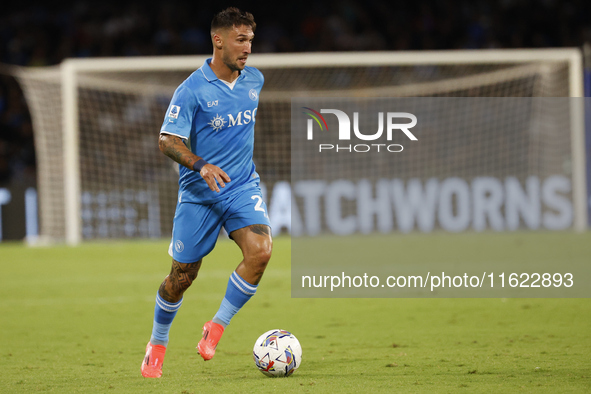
{"x": 217, "y": 40}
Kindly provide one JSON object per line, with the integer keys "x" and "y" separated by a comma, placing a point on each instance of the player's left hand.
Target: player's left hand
{"x": 213, "y": 176}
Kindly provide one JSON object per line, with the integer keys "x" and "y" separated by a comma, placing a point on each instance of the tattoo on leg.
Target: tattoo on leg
{"x": 260, "y": 229}
{"x": 164, "y": 293}
{"x": 180, "y": 278}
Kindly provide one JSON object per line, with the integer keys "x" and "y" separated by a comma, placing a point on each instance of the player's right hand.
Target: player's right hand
{"x": 213, "y": 176}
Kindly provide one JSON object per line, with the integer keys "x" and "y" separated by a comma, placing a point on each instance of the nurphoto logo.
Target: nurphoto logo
{"x": 344, "y": 130}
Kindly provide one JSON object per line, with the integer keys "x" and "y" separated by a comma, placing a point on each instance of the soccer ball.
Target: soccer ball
{"x": 277, "y": 353}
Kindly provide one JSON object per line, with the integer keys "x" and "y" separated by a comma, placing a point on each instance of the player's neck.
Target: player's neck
{"x": 222, "y": 71}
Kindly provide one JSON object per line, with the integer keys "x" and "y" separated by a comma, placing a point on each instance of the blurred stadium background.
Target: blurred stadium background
{"x": 35, "y": 34}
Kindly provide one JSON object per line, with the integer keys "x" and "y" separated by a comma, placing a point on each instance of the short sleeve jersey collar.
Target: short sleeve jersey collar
{"x": 209, "y": 74}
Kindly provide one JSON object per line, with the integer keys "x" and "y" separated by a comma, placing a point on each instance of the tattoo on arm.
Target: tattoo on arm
{"x": 175, "y": 148}
{"x": 260, "y": 229}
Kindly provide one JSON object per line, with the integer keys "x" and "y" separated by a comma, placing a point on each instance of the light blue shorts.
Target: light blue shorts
{"x": 196, "y": 226}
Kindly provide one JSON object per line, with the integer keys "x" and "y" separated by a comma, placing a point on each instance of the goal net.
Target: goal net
{"x": 96, "y": 121}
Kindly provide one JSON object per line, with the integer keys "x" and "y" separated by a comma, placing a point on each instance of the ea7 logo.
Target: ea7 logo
{"x": 345, "y": 124}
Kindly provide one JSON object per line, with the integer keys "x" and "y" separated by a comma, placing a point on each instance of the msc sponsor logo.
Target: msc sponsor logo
{"x": 218, "y": 122}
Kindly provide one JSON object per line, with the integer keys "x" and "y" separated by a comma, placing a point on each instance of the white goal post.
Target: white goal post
{"x": 491, "y": 67}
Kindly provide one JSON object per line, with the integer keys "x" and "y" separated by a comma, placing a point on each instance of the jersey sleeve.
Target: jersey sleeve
{"x": 180, "y": 113}
{"x": 259, "y": 75}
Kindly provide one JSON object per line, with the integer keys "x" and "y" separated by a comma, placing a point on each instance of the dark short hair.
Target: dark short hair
{"x": 231, "y": 17}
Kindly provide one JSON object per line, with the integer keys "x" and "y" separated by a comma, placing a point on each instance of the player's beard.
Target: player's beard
{"x": 232, "y": 63}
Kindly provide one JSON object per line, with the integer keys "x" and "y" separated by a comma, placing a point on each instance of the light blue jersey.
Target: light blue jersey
{"x": 217, "y": 123}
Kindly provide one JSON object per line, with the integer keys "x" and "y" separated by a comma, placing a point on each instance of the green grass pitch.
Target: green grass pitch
{"x": 78, "y": 320}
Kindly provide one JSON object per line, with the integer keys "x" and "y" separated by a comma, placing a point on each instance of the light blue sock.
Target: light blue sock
{"x": 164, "y": 313}
{"x": 237, "y": 293}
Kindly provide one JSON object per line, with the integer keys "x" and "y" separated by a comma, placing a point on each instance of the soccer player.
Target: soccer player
{"x": 209, "y": 131}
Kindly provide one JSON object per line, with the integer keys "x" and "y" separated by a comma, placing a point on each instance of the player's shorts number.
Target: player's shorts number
{"x": 258, "y": 205}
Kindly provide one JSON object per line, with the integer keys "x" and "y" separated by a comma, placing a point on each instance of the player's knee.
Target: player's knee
{"x": 190, "y": 277}
{"x": 261, "y": 255}
{"x": 265, "y": 250}
{"x": 183, "y": 275}
{"x": 185, "y": 279}
{"x": 183, "y": 282}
